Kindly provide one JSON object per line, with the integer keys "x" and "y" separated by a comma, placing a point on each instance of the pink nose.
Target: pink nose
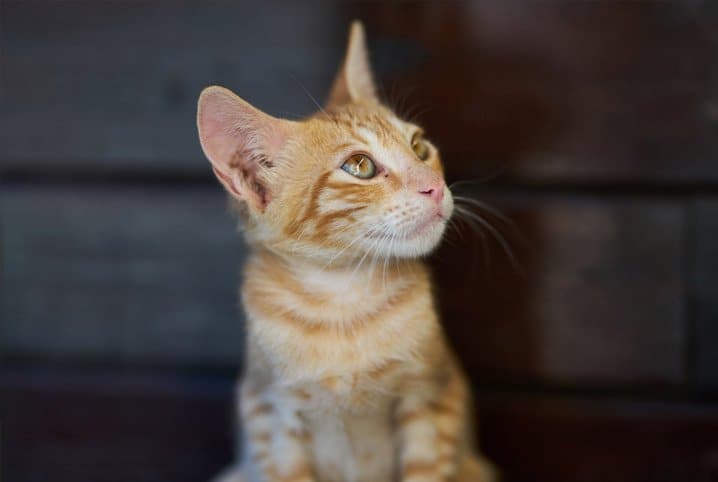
{"x": 434, "y": 191}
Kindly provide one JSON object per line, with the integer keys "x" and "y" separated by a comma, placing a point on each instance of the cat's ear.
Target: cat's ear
{"x": 354, "y": 82}
{"x": 241, "y": 142}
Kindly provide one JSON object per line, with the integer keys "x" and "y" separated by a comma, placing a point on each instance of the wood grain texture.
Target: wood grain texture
{"x": 121, "y": 274}
{"x": 539, "y": 91}
{"x": 704, "y": 270}
{"x": 597, "y": 297}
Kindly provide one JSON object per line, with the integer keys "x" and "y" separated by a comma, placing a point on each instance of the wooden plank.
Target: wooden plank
{"x": 148, "y": 275}
{"x": 542, "y": 92}
{"x": 539, "y": 90}
{"x": 120, "y": 275}
{"x": 597, "y": 298}
{"x": 121, "y": 428}
{"x": 111, "y": 427}
{"x": 90, "y": 85}
{"x": 704, "y": 268}
{"x": 536, "y": 438}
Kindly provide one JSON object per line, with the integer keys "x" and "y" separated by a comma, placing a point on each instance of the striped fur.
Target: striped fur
{"x": 348, "y": 376}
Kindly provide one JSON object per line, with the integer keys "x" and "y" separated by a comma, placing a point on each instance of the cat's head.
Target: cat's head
{"x": 350, "y": 181}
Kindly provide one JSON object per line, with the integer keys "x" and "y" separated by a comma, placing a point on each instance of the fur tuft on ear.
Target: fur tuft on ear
{"x": 241, "y": 142}
{"x": 354, "y": 82}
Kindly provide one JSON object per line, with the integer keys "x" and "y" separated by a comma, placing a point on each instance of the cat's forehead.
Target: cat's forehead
{"x": 376, "y": 122}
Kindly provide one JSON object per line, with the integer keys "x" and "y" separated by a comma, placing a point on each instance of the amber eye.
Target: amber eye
{"x": 420, "y": 147}
{"x": 359, "y": 165}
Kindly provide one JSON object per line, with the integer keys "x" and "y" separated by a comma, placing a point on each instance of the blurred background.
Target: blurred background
{"x": 593, "y": 126}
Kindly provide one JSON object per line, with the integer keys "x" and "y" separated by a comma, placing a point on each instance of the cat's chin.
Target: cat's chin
{"x": 420, "y": 243}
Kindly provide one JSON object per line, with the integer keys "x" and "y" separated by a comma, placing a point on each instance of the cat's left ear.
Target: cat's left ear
{"x": 354, "y": 82}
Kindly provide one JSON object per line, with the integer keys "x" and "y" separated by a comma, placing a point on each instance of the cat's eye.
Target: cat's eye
{"x": 420, "y": 147}
{"x": 359, "y": 165}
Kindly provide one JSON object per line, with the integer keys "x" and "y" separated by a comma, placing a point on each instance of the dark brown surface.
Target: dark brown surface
{"x": 564, "y": 90}
{"x": 108, "y": 427}
{"x": 551, "y": 438}
{"x": 592, "y": 280}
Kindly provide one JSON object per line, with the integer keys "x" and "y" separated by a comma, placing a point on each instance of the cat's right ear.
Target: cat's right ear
{"x": 241, "y": 142}
{"x": 354, "y": 82}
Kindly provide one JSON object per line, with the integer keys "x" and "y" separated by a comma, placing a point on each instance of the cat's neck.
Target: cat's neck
{"x": 338, "y": 278}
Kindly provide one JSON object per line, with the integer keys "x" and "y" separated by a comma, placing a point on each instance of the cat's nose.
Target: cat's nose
{"x": 434, "y": 190}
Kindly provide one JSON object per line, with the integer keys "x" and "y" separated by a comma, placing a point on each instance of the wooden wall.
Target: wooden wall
{"x": 593, "y": 126}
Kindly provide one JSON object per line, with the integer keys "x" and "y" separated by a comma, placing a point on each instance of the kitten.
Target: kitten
{"x": 348, "y": 376}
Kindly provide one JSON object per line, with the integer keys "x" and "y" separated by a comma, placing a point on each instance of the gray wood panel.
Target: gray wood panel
{"x": 115, "y": 84}
{"x": 148, "y": 275}
{"x": 119, "y": 275}
{"x": 90, "y": 86}
{"x": 704, "y": 258}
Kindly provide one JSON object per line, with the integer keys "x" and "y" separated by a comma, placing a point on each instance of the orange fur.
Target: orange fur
{"x": 348, "y": 375}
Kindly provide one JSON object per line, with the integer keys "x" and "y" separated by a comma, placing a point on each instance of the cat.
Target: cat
{"x": 348, "y": 376}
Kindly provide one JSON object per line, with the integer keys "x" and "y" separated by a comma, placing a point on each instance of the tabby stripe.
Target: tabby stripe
{"x": 262, "y": 408}
{"x": 300, "y": 435}
{"x": 274, "y": 312}
{"x": 323, "y": 223}
{"x": 292, "y": 229}
{"x": 383, "y": 370}
{"x": 302, "y": 394}
{"x": 416, "y": 468}
{"x": 301, "y": 473}
{"x": 410, "y": 416}
{"x": 448, "y": 439}
{"x": 447, "y": 408}
{"x": 261, "y": 437}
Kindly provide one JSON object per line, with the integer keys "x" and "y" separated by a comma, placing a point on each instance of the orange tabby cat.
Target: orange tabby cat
{"x": 348, "y": 376}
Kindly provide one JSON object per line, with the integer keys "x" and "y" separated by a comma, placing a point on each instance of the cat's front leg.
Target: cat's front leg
{"x": 418, "y": 440}
{"x": 275, "y": 436}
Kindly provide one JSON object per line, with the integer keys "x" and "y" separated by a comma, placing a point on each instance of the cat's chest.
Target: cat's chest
{"x": 340, "y": 346}
{"x": 358, "y": 446}
{"x": 357, "y": 391}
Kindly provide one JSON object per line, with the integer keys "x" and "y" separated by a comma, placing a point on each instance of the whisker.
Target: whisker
{"x": 481, "y": 180}
{"x": 515, "y": 230}
{"x": 311, "y": 97}
{"x": 495, "y": 233}
{"x": 361, "y": 261}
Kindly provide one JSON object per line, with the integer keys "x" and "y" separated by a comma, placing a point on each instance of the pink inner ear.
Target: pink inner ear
{"x": 240, "y": 141}
{"x": 220, "y": 119}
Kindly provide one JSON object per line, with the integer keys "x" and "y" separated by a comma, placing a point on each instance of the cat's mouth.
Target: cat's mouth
{"x": 425, "y": 226}
{"x": 419, "y": 229}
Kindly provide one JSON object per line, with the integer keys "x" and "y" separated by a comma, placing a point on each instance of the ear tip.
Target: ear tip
{"x": 215, "y": 91}
{"x": 216, "y": 95}
{"x": 356, "y": 30}
{"x": 357, "y": 25}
